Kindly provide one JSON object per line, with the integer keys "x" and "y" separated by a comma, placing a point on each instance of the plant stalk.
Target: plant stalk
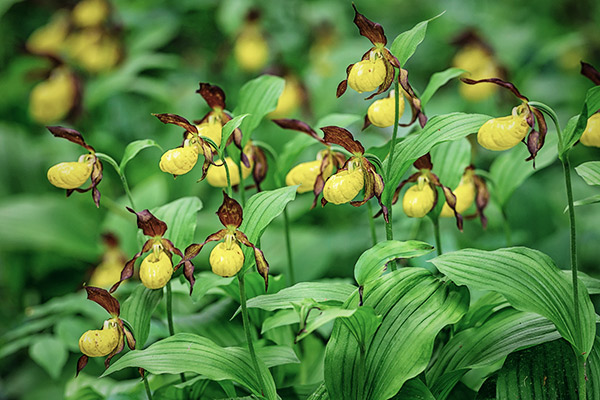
{"x": 436, "y": 234}
{"x": 242, "y": 187}
{"x": 124, "y": 183}
{"x": 372, "y": 223}
{"x": 147, "y": 386}
{"x": 246, "y": 323}
{"x": 507, "y": 232}
{"x": 288, "y": 248}
{"x": 170, "y": 319}
{"x": 389, "y": 233}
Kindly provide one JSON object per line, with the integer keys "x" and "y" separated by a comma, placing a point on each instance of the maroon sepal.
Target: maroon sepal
{"x": 450, "y": 199}
{"x": 230, "y": 212}
{"x": 141, "y": 371}
{"x": 369, "y": 29}
{"x": 424, "y": 162}
{"x": 127, "y": 271}
{"x": 71, "y": 135}
{"x": 536, "y": 139}
{"x": 341, "y": 88}
{"x": 482, "y": 198}
{"x": 261, "y": 263}
{"x": 259, "y": 172}
{"x": 590, "y": 72}
{"x": 194, "y": 249}
{"x": 81, "y": 363}
{"x": 342, "y": 137}
{"x": 177, "y": 120}
{"x": 148, "y": 223}
{"x": 297, "y": 125}
{"x": 129, "y": 337}
{"x": 413, "y": 100}
{"x": 213, "y": 95}
{"x": 499, "y": 82}
{"x": 104, "y": 299}
{"x": 366, "y": 122}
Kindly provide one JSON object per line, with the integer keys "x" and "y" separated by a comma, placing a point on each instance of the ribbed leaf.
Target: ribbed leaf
{"x": 509, "y": 170}
{"x": 185, "y": 352}
{"x": 321, "y": 317}
{"x": 258, "y": 97}
{"x": 318, "y": 291}
{"x": 438, "y": 80}
{"x": 573, "y": 131}
{"x": 450, "y": 160}
{"x": 133, "y": 149}
{"x": 277, "y": 355}
{"x": 180, "y": 217}
{"x": 406, "y": 43}
{"x": 320, "y": 393}
{"x": 49, "y": 353}
{"x": 587, "y": 201}
{"x": 372, "y": 262}
{"x": 530, "y": 282}
{"x": 415, "y": 306}
{"x": 363, "y": 324}
{"x": 439, "y": 129}
{"x": 207, "y": 280}
{"x": 590, "y": 172}
{"x": 138, "y": 309}
{"x": 503, "y": 333}
{"x": 414, "y": 389}
{"x": 547, "y": 371}
{"x": 229, "y": 127}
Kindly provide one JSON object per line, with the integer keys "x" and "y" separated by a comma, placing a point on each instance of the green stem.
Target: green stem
{"x": 147, "y": 386}
{"x": 372, "y": 223}
{"x": 436, "y": 233}
{"x": 170, "y": 318}
{"x": 242, "y": 188}
{"x": 507, "y": 231}
{"x": 288, "y": 247}
{"x": 114, "y": 164}
{"x": 246, "y": 323}
{"x": 389, "y": 233}
{"x": 229, "y": 189}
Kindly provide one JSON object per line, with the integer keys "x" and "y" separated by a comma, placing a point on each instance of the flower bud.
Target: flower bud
{"x": 179, "y": 161}
{"x": 503, "y": 133}
{"x": 418, "y": 200}
{"x": 305, "y": 175}
{"x": 98, "y": 343}
{"x": 367, "y": 75}
{"x": 226, "y": 259}
{"x": 344, "y": 186}
{"x": 70, "y": 175}
{"x": 156, "y": 272}
{"x": 50, "y": 38}
{"x": 381, "y": 112}
{"x": 591, "y": 134}
{"x": 51, "y": 100}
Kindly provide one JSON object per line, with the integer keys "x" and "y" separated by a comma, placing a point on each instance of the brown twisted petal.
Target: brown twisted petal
{"x": 507, "y": 85}
{"x": 177, "y": 120}
{"x": 590, "y": 72}
{"x": 194, "y": 249}
{"x": 536, "y": 139}
{"x": 81, "y": 363}
{"x": 104, "y": 299}
{"x": 413, "y": 100}
{"x": 343, "y": 85}
{"x": 127, "y": 271}
{"x": 261, "y": 263}
{"x": 342, "y": 137}
{"x": 297, "y": 125}
{"x": 71, "y": 135}
{"x": 481, "y": 199}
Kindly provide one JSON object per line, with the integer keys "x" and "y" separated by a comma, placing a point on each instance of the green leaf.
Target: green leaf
{"x": 510, "y": 170}
{"x": 49, "y": 353}
{"x": 363, "y": 324}
{"x": 318, "y": 291}
{"x": 584, "y": 202}
{"x": 547, "y": 371}
{"x": 405, "y": 44}
{"x": 573, "y": 131}
{"x": 341, "y": 120}
{"x": 264, "y": 207}
{"x": 205, "y": 281}
{"x": 530, "y": 281}
{"x": 321, "y": 317}
{"x": 280, "y": 318}
{"x": 273, "y": 356}
{"x": 450, "y": 160}
{"x": 504, "y": 332}
{"x": 415, "y": 306}
{"x": 69, "y": 329}
{"x": 180, "y": 217}
{"x": 86, "y": 393}
{"x": 258, "y": 97}
{"x": 320, "y": 393}
{"x": 372, "y": 263}
{"x": 229, "y": 127}
{"x": 414, "y": 389}
{"x": 439, "y": 129}
{"x": 590, "y": 172}
{"x": 133, "y": 149}
{"x": 438, "y": 80}
{"x": 138, "y": 309}
{"x": 591, "y": 284}
{"x": 185, "y": 352}
{"x": 291, "y": 151}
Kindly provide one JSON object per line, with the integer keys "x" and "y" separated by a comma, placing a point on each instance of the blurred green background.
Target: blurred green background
{"x": 49, "y": 245}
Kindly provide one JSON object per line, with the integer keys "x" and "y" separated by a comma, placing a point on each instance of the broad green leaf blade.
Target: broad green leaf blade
{"x": 372, "y": 263}
{"x": 320, "y": 318}
{"x": 450, "y": 160}
{"x": 280, "y": 318}
{"x": 530, "y": 281}
{"x": 415, "y": 306}
{"x": 592, "y": 284}
{"x": 587, "y": 201}
{"x": 180, "y": 217}
{"x": 318, "y": 291}
{"x": 438, "y": 80}
{"x": 439, "y": 129}
{"x": 138, "y": 309}
{"x": 506, "y": 331}
{"x": 414, "y": 389}
{"x": 590, "y": 172}
{"x": 133, "y": 149}
{"x": 547, "y": 371}
{"x": 277, "y": 355}
{"x": 205, "y": 281}
{"x": 510, "y": 170}
{"x": 185, "y": 352}
{"x": 264, "y": 207}
{"x": 363, "y": 324}
{"x": 320, "y": 393}
{"x": 341, "y": 120}
{"x": 258, "y": 97}
{"x": 229, "y": 127}
{"x": 49, "y": 353}
{"x": 573, "y": 131}
{"x": 406, "y": 43}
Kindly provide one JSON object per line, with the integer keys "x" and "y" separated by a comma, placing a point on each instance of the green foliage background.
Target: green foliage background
{"x": 49, "y": 244}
